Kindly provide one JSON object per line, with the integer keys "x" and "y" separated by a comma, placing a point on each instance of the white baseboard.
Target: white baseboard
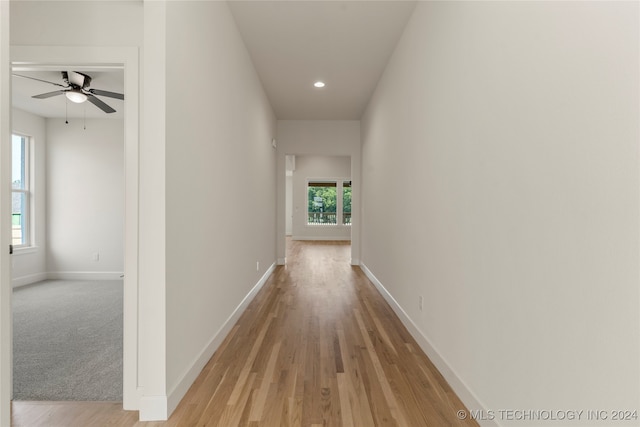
{"x": 187, "y": 379}
{"x": 153, "y": 408}
{"x": 465, "y": 394}
{"x": 28, "y": 279}
{"x": 355, "y": 261}
{"x": 66, "y": 275}
{"x": 85, "y": 275}
{"x": 282, "y": 261}
{"x": 341, "y": 238}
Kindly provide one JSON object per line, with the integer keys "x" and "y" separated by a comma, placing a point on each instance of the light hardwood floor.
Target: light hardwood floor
{"x": 318, "y": 346}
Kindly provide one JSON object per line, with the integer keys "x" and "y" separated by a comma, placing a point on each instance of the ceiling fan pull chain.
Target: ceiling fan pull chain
{"x": 66, "y": 111}
{"x": 84, "y": 117}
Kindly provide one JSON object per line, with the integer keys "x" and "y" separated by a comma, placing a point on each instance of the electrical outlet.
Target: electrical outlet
{"x": 421, "y": 302}
{"x": 257, "y": 265}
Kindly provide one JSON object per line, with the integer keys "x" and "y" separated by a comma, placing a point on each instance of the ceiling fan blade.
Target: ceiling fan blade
{"x": 98, "y": 103}
{"x": 49, "y": 94}
{"x": 107, "y": 93}
{"x": 87, "y": 80}
{"x": 40, "y": 80}
{"x": 76, "y": 79}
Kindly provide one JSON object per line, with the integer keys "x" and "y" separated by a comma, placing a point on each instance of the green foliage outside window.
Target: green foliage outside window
{"x": 346, "y": 199}
{"x": 322, "y": 203}
{"x": 328, "y": 196}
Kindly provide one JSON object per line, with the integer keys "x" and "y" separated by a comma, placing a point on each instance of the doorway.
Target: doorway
{"x": 127, "y": 60}
{"x": 68, "y": 199}
{"x": 318, "y": 198}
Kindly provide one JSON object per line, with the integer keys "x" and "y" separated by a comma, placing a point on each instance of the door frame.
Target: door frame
{"x": 128, "y": 59}
{"x": 5, "y": 221}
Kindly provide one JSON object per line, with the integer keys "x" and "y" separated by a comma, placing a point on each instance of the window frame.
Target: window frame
{"x": 338, "y": 182}
{"x": 25, "y": 190}
{"x": 347, "y": 183}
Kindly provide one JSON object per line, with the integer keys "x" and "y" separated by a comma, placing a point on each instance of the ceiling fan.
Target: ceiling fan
{"x": 76, "y": 89}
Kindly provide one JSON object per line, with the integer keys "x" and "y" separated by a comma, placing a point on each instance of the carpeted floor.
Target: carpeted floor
{"x": 67, "y": 341}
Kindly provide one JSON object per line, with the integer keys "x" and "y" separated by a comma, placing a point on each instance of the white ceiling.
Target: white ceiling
{"x": 108, "y": 79}
{"x": 346, "y": 44}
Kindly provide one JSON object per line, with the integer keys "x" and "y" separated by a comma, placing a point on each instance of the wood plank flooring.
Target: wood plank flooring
{"x": 70, "y": 414}
{"x": 318, "y": 346}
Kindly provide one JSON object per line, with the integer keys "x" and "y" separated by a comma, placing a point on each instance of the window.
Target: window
{"x": 322, "y": 202}
{"x": 20, "y": 192}
{"x": 329, "y": 202}
{"x": 346, "y": 203}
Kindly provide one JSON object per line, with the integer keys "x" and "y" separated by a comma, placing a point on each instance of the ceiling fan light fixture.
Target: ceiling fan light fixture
{"x": 76, "y": 96}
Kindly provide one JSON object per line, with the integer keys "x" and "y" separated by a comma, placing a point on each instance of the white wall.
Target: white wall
{"x": 220, "y": 182}
{"x": 290, "y": 163}
{"x": 317, "y": 167}
{"x": 289, "y": 204}
{"x": 95, "y": 23}
{"x": 323, "y": 138}
{"x": 85, "y": 198}
{"x": 152, "y": 329}
{"x": 29, "y": 265}
{"x": 507, "y": 132}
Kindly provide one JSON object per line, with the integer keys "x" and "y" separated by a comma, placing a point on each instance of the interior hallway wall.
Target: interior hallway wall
{"x": 289, "y": 205}
{"x": 221, "y": 177}
{"x": 95, "y": 23}
{"x": 501, "y": 182}
{"x": 290, "y": 163}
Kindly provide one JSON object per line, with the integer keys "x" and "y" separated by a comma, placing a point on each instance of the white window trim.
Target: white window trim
{"x": 28, "y": 179}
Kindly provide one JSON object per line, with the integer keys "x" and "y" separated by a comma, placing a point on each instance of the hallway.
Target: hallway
{"x": 494, "y": 170}
{"x": 317, "y": 346}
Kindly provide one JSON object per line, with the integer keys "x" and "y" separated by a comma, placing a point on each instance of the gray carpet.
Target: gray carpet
{"x": 67, "y": 341}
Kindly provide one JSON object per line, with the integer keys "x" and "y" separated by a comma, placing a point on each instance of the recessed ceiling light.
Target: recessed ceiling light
{"x": 319, "y": 84}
